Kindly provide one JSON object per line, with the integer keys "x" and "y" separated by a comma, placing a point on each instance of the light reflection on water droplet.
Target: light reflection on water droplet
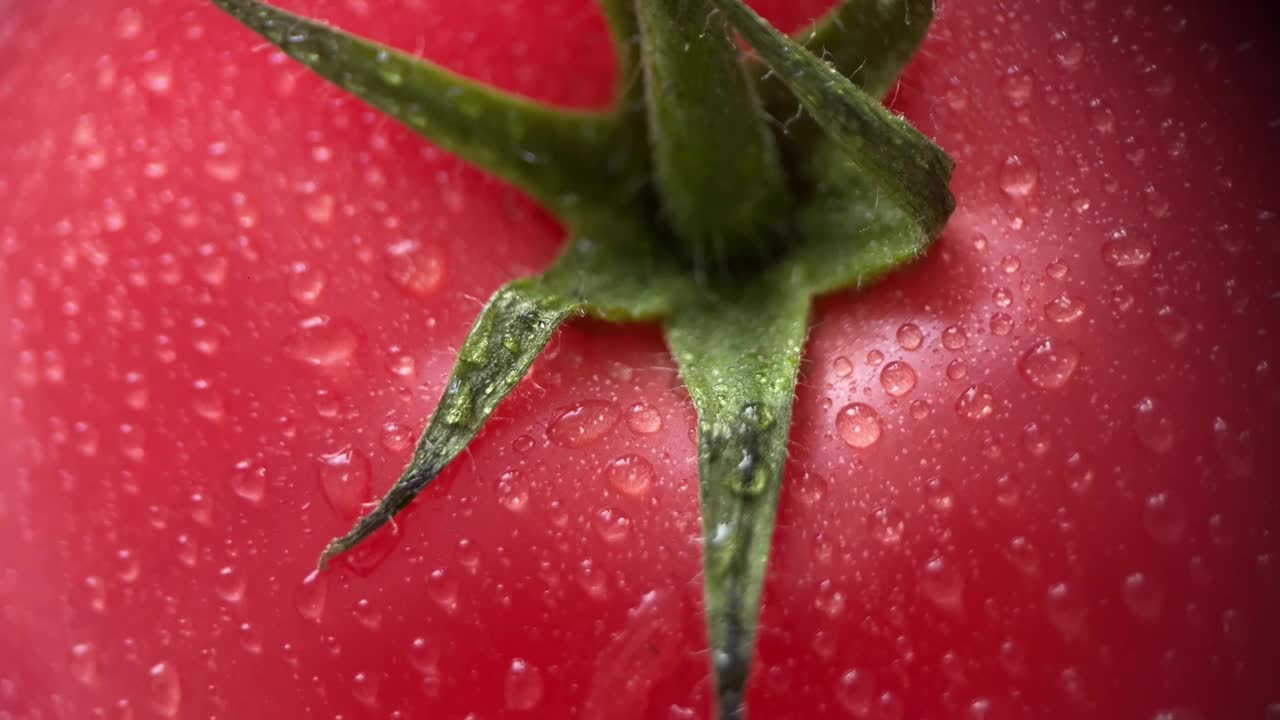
{"x": 859, "y": 425}
{"x": 324, "y": 343}
{"x": 976, "y": 403}
{"x": 522, "y": 689}
{"x": 898, "y": 378}
{"x": 164, "y": 690}
{"x": 1019, "y": 176}
{"x": 910, "y": 336}
{"x": 309, "y": 597}
{"x": 1050, "y": 363}
{"x": 631, "y": 475}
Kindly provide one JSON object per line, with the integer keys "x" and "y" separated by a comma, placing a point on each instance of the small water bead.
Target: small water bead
{"x": 513, "y": 490}
{"x": 1050, "y": 363}
{"x": 939, "y": 494}
{"x": 828, "y": 599}
{"x": 414, "y": 268}
{"x": 309, "y": 597}
{"x": 364, "y": 687}
{"x": 1002, "y": 297}
{"x": 164, "y": 689}
{"x": 367, "y": 614}
{"x": 1067, "y": 52}
{"x": 631, "y": 475}
{"x": 1019, "y": 176}
{"x": 423, "y": 656}
{"x": 855, "y": 692}
{"x": 1164, "y": 518}
{"x": 874, "y": 358}
{"x": 442, "y": 587}
{"x": 523, "y": 686}
{"x": 582, "y": 424}
{"x": 943, "y": 583}
{"x": 1122, "y": 251}
{"x": 396, "y": 437}
{"x": 1064, "y": 309}
{"x": 910, "y": 336}
{"x": 84, "y": 664}
{"x": 643, "y": 419}
{"x": 920, "y": 409}
{"x": 1078, "y": 473}
{"x": 859, "y": 425}
{"x": 324, "y": 343}
{"x": 954, "y": 337}
{"x": 898, "y": 378}
{"x": 230, "y": 585}
{"x": 612, "y": 525}
{"x": 1172, "y": 327}
{"x": 1143, "y": 596}
{"x": 1153, "y": 425}
{"x": 249, "y": 481}
{"x": 1001, "y": 324}
{"x": 887, "y": 525}
{"x": 306, "y": 284}
{"x": 976, "y": 403}
{"x": 1067, "y": 609}
{"x": 1018, "y": 86}
{"x": 345, "y": 479}
{"x": 1010, "y": 264}
{"x": 842, "y": 367}
{"x": 810, "y": 487}
{"x": 1035, "y": 439}
{"x": 957, "y": 370}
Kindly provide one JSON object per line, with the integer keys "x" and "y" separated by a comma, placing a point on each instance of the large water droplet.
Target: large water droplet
{"x": 859, "y": 425}
{"x": 249, "y": 481}
{"x": 344, "y": 478}
{"x": 583, "y": 424}
{"x": 854, "y": 691}
{"x": 1143, "y": 596}
{"x": 364, "y": 687}
{"x": 631, "y": 475}
{"x": 613, "y": 525}
{"x": 1064, "y": 309}
{"x": 1165, "y": 518}
{"x": 810, "y": 487}
{"x": 1122, "y": 251}
{"x": 898, "y": 378}
{"x": 442, "y": 586}
{"x": 1050, "y": 363}
{"x": 643, "y": 419}
{"x": 887, "y": 525}
{"x": 829, "y": 600}
{"x": 943, "y": 583}
{"x": 1067, "y": 609}
{"x": 84, "y": 664}
{"x": 522, "y": 689}
{"x": 230, "y": 585}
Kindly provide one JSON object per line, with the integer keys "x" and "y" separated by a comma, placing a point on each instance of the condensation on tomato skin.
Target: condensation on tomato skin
{"x": 522, "y": 686}
{"x": 583, "y": 423}
{"x": 345, "y": 480}
{"x": 631, "y": 475}
{"x": 898, "y": 378}
{"x": 310, "y": 594}
{"x": 325, "y": 343}
{"x": 1050, "y": 363}
{"x": 859, "y": 425}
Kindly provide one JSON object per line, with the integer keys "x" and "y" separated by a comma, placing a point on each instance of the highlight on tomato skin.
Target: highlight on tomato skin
{"x": 1027, "y": 476}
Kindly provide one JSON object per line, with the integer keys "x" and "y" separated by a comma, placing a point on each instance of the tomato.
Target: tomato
{"x": 1030, "y": 476}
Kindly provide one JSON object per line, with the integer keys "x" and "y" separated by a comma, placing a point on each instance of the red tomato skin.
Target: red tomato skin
{"x": 231, "y": 292}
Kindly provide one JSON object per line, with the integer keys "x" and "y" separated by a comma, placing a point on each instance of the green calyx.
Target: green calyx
{"x": 719, "y": 197}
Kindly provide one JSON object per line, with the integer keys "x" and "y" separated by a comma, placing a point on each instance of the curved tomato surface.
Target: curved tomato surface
{"x": 1032, "y": 476}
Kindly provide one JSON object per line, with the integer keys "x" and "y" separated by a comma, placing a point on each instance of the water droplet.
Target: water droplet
{"x": 164, "y": 690}
{"x": 1078, "y": 473}
{"x": 842, "y": 367}
{"x": 887, "y": 525}
{"x": 1001, "y": 324}
{"x": 1050, "y": 363}
{"x": 583, "y": 424}
{"x": 522, "y": 689}
{"x": 829, "y": 600}
{"x": 920, "y": 409}
{"x": 1018, "y": 87}
{"x": 1019, "y": 176}
{"x": 423, "y": 656}
{"x": 810, "y": 487}
{"x": 613, "y": 525}
{"x": 1067, "y": 52}
{"x": 1171, "y": 326}
{"x": 318, "y": 207}
{"x": 854, "y": 691}
{"x": 84, "y": 664}
{"x": 1121, "y": 251}
{"x": 324, "y": 343}
{"x": 310, "y": 595}
{"x": 898, "y": 378}
{"x": 976, "y": 403}
{"x": 249, "y": 481}
{"x": 396, "y": 437}
{"x": 592, "y": 580}
{"x": 367, "y": 614}
{"x": 643, "y": 419}
{"x": 1002, "y": 297}
{"x": 910, "y": 336}
{"x": 1165, "y": 518}
{"x": 859, "y": 425}
{"x": 1236, "y": 448}
{"x": 230, "y": 585}
{"x": 1067, "y": 609}
{"x": 128, "y": 23}
{"x": 364, "y": 687}
{"x": 874, "y": 358}
{"x": 443, "y": 589}
{"x": 943, "y": 583}
{"x": 344, "y": 478}
{"x": 414, "y": 268}
{"x": 513, "y": 490}
{"x": 306, "y": 284}
{"x": 939, "y": 494}
{"x": 1064, "y": 309}
{"x": 1143, "y": 596}
{"x": 1153, "y": 425}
